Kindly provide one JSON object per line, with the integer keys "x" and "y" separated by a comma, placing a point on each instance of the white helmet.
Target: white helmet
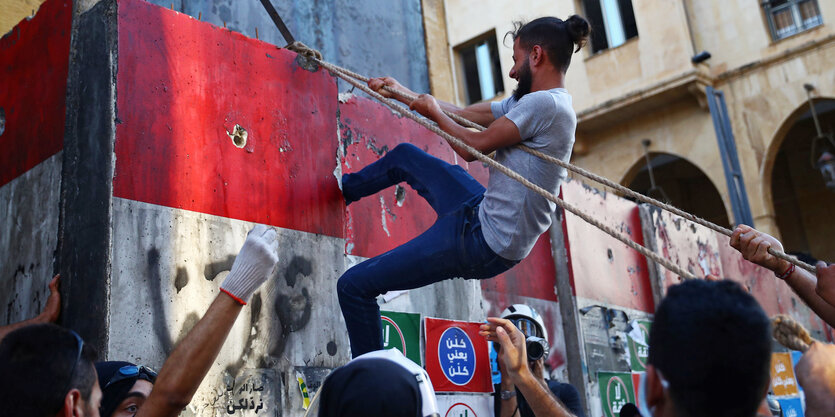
{"x": 429, "y": 404}
{"x": 522, "y": 311}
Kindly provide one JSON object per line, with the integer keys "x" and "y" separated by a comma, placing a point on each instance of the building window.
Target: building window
{"x": 612, "y": 23}
{"x": 480, "y": 68}
{"x": 788, "y": 17}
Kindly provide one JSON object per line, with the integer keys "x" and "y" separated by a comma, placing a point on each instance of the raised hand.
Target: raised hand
{"x": 754, "y": 245}
{"x": 253, "y": 265}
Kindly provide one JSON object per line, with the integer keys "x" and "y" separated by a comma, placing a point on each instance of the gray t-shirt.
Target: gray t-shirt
{"x": 513, "y": 216}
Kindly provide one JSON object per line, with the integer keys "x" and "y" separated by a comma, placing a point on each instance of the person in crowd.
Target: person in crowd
{"x": 825, "y": 287}
{"x": 48, "y": 371}
{"x": 188, "y": 364}
{"x": 629, "y": 410}
{"x": 479, "y": 233}
{"x": 509, "y": 401}
{"x": 754, "y": 245}
{"x": 816, "y": 374}
{"x": 513, "y": 360}
{"x": 49, "y": 314}
{"x": 709, "y": 353}
{"x": 61, "y": 378}
{"x": 401, "y": 388}
{"x": 125, "y": 387}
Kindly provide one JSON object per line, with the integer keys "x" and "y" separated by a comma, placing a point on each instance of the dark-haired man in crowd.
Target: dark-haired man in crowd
{"x": 709, "y": 354}
{"x": 478, "y": 233}
{"x": 47, "y": 371}
{"x": 60, "y": 379}
{"x": 407, "y": 391}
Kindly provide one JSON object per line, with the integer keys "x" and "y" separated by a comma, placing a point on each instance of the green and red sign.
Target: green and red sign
{"x": 616, "y": 389}
{"x": 401, "y": 331}
{"x": 639, "y": 347}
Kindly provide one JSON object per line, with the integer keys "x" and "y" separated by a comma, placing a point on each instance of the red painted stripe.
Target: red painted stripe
{"x": 621, "y": 279}
{"x": 34, "y": 58}
{"x": 368, "y": 130}
{"x": 534, "y": 277}
{"x": 182, "y": 84}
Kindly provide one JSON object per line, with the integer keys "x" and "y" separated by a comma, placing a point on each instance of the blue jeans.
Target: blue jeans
{"x": 452, "y": 247}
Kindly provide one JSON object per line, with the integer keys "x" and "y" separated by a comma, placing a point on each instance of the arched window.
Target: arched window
{"x": 788, "y": 17}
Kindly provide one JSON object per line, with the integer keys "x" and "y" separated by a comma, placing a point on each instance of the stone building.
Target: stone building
{"x": 660, "y": 70}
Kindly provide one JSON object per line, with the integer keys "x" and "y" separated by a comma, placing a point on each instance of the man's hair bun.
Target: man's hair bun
{"x": 578, "y": 30}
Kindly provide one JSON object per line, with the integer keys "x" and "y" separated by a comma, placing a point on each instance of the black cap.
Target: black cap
{"x": 628, "y": 410}
{"x": 370, "y": 387}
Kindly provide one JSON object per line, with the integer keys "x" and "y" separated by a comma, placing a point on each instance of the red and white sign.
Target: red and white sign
{"x": 465, "y": 405}
{"x": 457, "y": 359}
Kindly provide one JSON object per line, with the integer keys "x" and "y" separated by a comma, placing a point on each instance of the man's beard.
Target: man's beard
{"x": 524, "y": 82}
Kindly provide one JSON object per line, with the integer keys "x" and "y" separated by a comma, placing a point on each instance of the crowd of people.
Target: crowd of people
{"x": 709, "y": 354}
{"x": 709, "y": 349}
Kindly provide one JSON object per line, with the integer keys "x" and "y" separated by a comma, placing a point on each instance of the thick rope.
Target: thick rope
{"x": 790, "y": 333}
{"x": 664, "y": 206}
{"x": 304, "y": 50}
{"x": 351, "y": 76}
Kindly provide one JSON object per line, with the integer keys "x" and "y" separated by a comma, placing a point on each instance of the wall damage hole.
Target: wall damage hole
{"x": 399, "y": 195}
{"x": 2, "y": 120}
{"x": 610, "y": 255}
{"x": 238, "y": 136}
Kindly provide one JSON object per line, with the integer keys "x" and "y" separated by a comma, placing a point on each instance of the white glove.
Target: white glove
{"x": 253, "y": 265}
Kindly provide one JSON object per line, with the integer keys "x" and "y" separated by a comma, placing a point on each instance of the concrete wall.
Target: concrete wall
{"x": 182, "y": 197}
{"x": 371, "y": 37}
{"x": 35, "y": 54}
{"x": 349, "y": 33}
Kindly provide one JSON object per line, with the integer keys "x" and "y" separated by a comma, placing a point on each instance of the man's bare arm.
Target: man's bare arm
{"x": 816, "y": 374}
{"x": 501, "y": 133}
{"x": 826, "y": 282}
{"x": 185, "y": 369}
{"x": 49, "y": 314}
{"x": 480, "y": 113}
{"x": 804, "y": 285}
{"x": 753, "y": 245}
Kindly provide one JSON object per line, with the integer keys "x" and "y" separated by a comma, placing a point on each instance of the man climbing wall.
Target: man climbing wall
{"x": 478, "y": 234}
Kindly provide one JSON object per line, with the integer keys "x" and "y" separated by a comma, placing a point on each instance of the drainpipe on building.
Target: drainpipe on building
{"x": 689, "y": 28}
{"x": 696, "y": 58}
